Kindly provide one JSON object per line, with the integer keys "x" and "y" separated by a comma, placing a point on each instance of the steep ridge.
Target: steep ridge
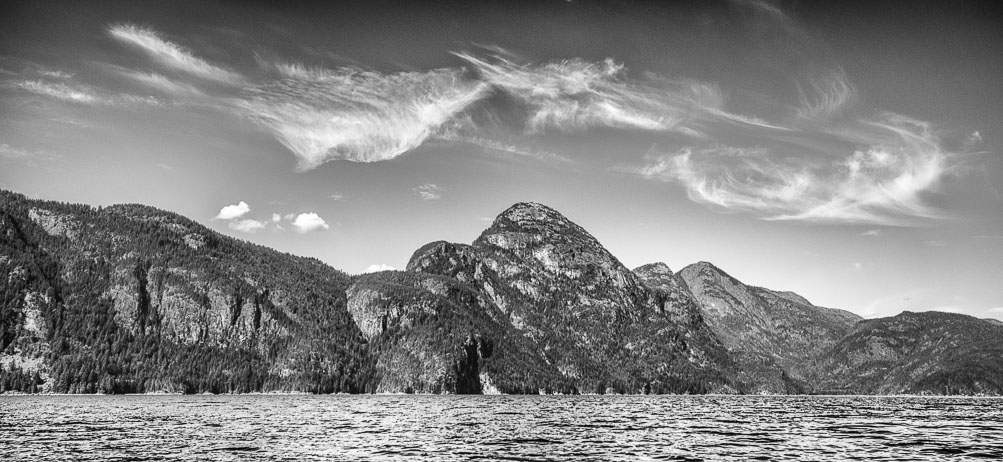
{"x": 587, "y": 315}
{"x": 777, "y": 337}
{"x": 916, "y": 353}
{"x": 129, "y": 298}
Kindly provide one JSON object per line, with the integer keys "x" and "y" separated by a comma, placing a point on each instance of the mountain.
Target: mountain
{"x": 129, "y": 298}
{"x": 775, "y": 336}
{"x": 585, "y": 321}
{"x": 916, "y": 353}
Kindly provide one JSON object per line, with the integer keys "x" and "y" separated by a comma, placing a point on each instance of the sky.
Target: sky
{"x": 850, "y": 152}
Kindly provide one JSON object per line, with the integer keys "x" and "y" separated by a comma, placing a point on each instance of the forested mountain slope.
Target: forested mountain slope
{"x": 129, "y": 298}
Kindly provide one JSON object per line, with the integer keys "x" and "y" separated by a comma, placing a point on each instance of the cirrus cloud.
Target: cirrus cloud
{"x": 878, "y": 172}
{"x": 170, "y": 54}
{"x": 820, "y": 161}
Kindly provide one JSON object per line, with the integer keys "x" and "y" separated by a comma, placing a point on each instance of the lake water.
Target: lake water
{"x": 374, "y": 427}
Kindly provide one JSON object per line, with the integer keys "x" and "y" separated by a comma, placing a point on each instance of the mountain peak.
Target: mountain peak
{"x": 530, "y": 222}
{"x": 530, "y": 212}
{"x": 705, "y": 268}
{"x": 658, "y": 268}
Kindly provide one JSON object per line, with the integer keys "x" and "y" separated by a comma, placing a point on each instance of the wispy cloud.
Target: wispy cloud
{"x": 882, "y": 182}
{"x": 574, "y": 94}
{"x": 357, "y": 116}
{"x": 323, "y": 114}
{"x": 501, "y": 146}
{"x": 76, "y": 93}
{"x": 170, "y": 54}
{"x": 871, "y": 233}
{"x": 826, "y": 97}
{"x": 820, "y": 162}
{"x": 429, "y": 191}
{"x": 337, "y": 197}
{"x": 163, "y": 84}
{"x": 14, "y": 153}
{"x": 60, "y": 91}
{"x": 310, "y": 221}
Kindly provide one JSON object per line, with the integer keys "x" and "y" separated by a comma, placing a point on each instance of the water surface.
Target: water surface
{"x": 368, "y": 427}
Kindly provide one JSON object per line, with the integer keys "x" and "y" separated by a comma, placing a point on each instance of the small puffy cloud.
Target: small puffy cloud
{"x": 429, "y": 191}
{"x": 310, "y": 221}
{"x": 276, "y": 218}
{"x": 857, "y": 266}
{"x": 233, "y": 211}
{"x": 246, "y": 226}
{"x": 379, "y": 267}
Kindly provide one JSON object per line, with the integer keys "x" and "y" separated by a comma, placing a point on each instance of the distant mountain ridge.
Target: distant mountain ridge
{"x": 130, "y": 298}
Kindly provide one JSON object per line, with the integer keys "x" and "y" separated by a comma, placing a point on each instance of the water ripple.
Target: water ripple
{"x": 680, "y": 428}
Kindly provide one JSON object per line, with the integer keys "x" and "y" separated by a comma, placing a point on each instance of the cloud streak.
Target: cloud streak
{"x": 170, "y": 54}
{"x": 357, "y": 116}
{"x": 60, "y": 91}
{"x": 891, "y": 163}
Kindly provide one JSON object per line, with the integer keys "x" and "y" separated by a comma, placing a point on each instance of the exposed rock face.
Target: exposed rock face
{"x": 917, "y": 353}
{"x": 435, "y": 334}
{"x": 776, "y": 336}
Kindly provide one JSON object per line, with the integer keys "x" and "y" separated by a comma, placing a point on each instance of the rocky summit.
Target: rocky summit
{"x": 592, "y": 324}
{"x": 133, "y": 299}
